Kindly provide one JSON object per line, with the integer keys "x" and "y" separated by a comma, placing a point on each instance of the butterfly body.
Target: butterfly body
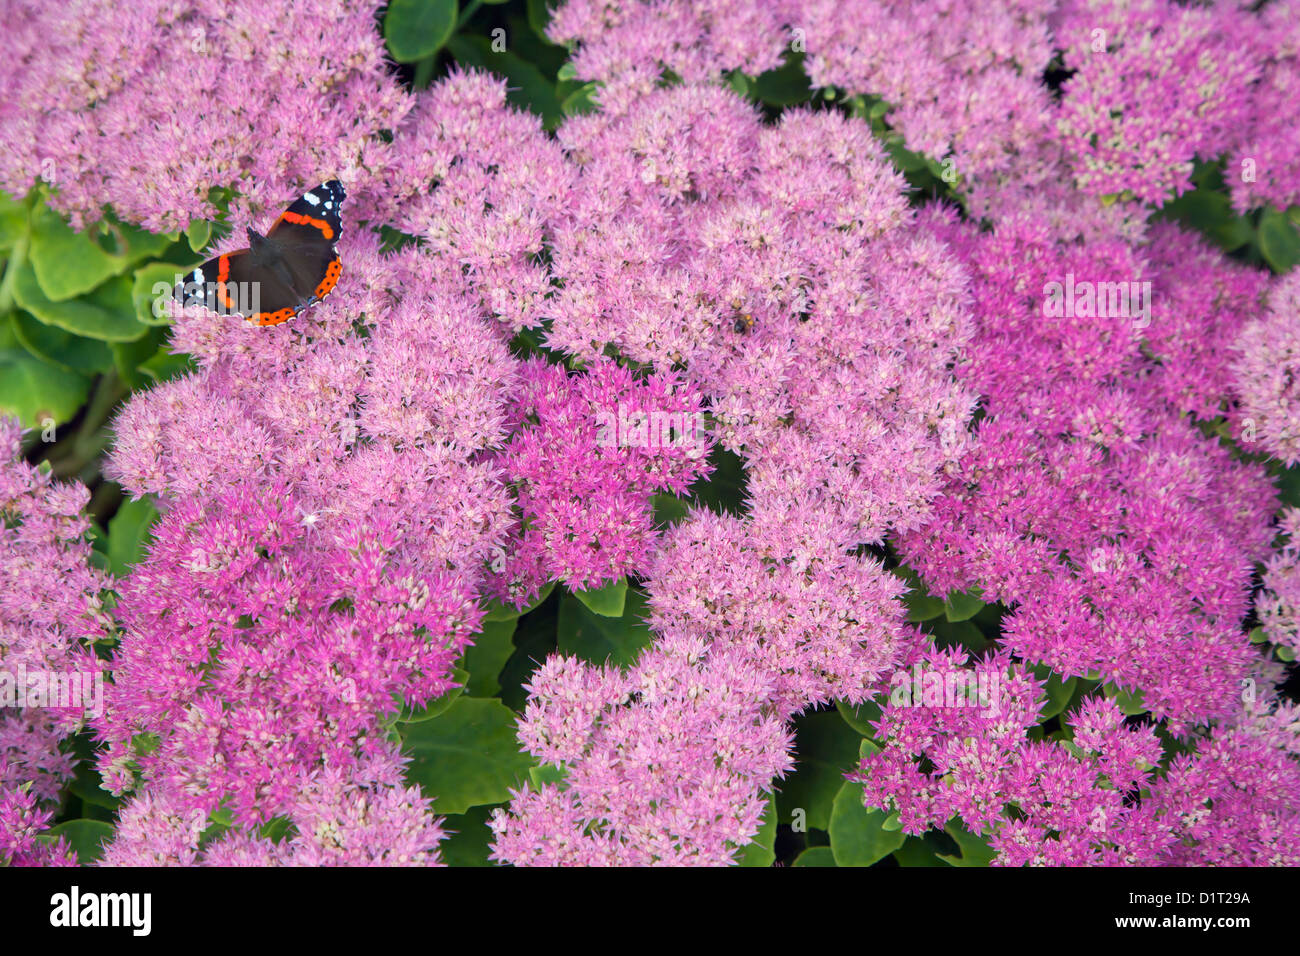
{"x": 281, "y": 273}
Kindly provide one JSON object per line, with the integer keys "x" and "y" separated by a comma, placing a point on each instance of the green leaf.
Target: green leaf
{"x": 762, "y": 851}
{"x": 129, "y": 356}
{"x": 963, "y": 605}
{"x": 539, "y": 17}
{"x": 825, "y": 748}
{"x": 151, "y": 287}
{"x": 858, "y": 836}
{"x": 922, "y": 606}
{"x": 198, "y": 234}
{"x": 165, "y": 366}
{"x": 860, "y": 716}
{"x": 975, "y": 851}
{"x": 669, "y": 509}
{"x": 1279, "y": 243}
{"x": 108, "y": 313}
{"x": 963, "y": 633}
{"x": 905, "y": 159}
{"x": 1129, "y": 702}
{"x": 786, "y": 85}
{"x": 547, "y": 773}
{"x": 484, "y": 660}
{"x": 496, "y": 611}
{"x": 469, "y": 839}
{"x": 439, "y": 705}
{"x": 600, "y": 639}
{"x": 528, "y": 87}
{"x": 916, "y": 852}
{"x": 539, "y": 51}
{"x": 1058, "y": 691}
{"x": 580, "y": 101}
{"x": 415, "y": 29}
{"x": 13, "y": 220}
{"x": 535, "y": 641}
{"x": 1210, "y": 212}
{"x": 68, "y": 264}
{"x": 129, "y": 534}
{"x": 74, "y": 353}
{"x": 607, "y": 601}
{"x": 87, "y": 784}
{"x": 816, "y": 856}
{"x": 466, "y": 756}
{"x": 34, "y": 391}
{"x": 87, "y": 837}
{"x": 724, "y": 492}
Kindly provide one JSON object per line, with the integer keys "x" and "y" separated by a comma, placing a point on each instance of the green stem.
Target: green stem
{"x": 424, "y": 72}
{"x": 104, "y": 501}
{"x": 17, "y": 259}
{"x": 73, "y": 455}
{"x": 468, "y": 12}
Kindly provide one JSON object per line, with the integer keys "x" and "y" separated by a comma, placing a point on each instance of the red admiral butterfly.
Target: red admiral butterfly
{"x": 293, "y": 266}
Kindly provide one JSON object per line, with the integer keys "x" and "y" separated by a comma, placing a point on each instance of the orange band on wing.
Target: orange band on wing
{"x": 300, "y": 220}
{"x": 223, "y": 273}
{"x": 273, "y": 318}
{"x": 331, "y": 279}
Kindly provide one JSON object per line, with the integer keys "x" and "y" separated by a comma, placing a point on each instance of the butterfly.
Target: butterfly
{"x": 293, "y": 266}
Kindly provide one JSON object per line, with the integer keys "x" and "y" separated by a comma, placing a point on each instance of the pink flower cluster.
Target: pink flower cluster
{"x": 778, "y": 266}
{"x": 961, "y": 78}
{"x": 365, "y": 816}
{"x": 51, "y": 613}
{"x": 1150, "y": 86}
{"x": 329, "y": 518}
{"x": 1155, "y": 86}
{"x": 670, "y": 762}
{"x": 1032, "y": 409}
{"x": 1266, "y": 374}
{"x": 149, "y": 106}
{"x": 586, "y": 457}
{"x": 664, "y": 764}
{"x": 1122, "y": 537}
{"x": 627, "y": 45}
{"x": 1229, "y": 800}
{"x": 1277, "y": 605}
{"x": 480, "y": 184}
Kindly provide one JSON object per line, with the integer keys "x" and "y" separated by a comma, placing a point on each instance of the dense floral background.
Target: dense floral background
{"x": 976, "y": 539}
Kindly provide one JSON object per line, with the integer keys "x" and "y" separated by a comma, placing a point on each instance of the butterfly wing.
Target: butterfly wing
{"x": 233, "y": 284}
{"x": 305, "y": 235}
{"x": 295, "y": 266}
{"x": 316, "y": 215}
